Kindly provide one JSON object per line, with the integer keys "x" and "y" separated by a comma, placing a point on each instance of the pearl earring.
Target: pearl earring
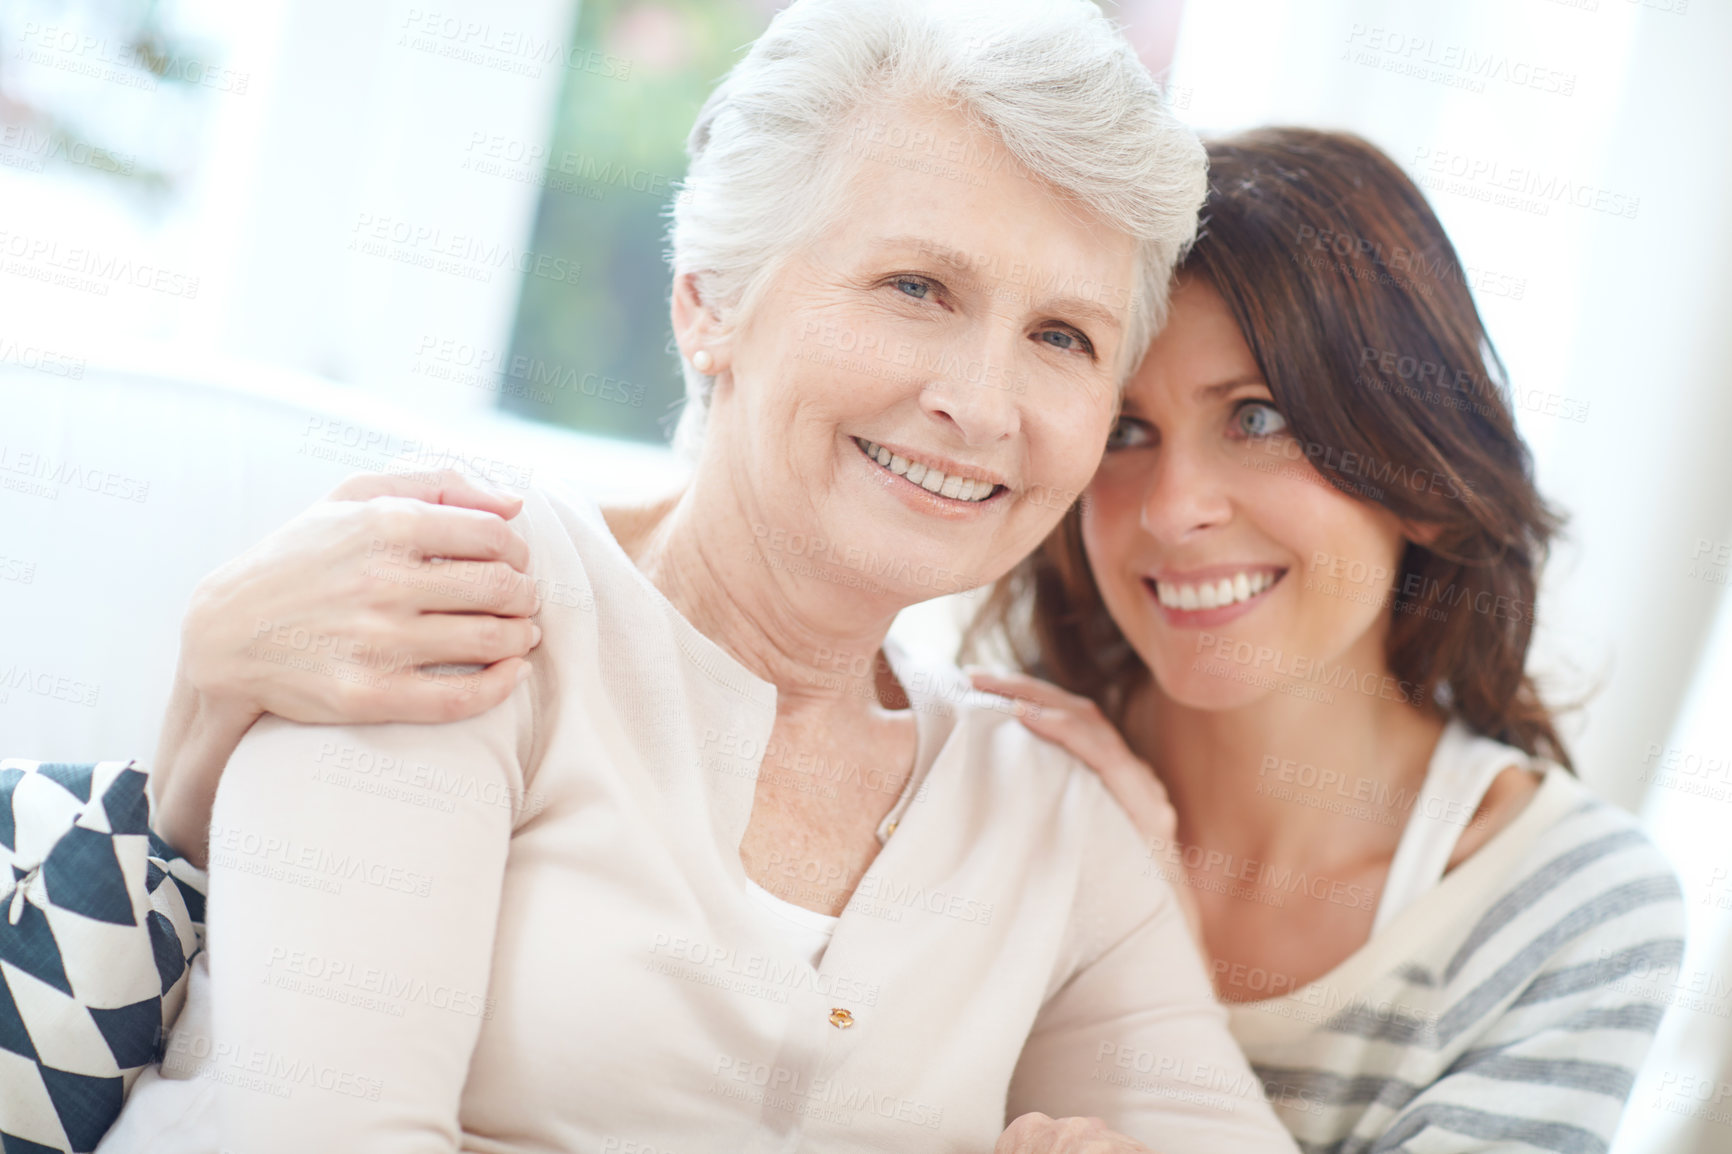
{"x": 702, "y": 361}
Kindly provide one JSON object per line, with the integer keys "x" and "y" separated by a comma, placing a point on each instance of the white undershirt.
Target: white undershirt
{"x": 1461, "y": 771}
{"x": 808, "y": 931}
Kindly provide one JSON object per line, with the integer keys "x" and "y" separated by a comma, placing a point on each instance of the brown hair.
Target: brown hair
{"x": 1358, "y": 313}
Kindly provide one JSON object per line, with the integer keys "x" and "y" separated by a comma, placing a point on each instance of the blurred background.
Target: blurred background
{"x": 248, "y": 249}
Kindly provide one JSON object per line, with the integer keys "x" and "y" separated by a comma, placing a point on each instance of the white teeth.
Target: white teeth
{"x": 1217, "y": 594}
{"x": 956, "y": 488}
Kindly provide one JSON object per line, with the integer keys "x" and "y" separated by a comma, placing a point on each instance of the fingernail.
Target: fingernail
{"x": 523, "y": 673}
{"x": 534, "y": 635}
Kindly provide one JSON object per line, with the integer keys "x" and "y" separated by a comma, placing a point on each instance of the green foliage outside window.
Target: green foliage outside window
{"x": 595, "y": 354}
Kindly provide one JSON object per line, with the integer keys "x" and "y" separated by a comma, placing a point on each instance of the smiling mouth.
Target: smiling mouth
{"x": 964, "y": 490}
{"x": 1192, "y": 596}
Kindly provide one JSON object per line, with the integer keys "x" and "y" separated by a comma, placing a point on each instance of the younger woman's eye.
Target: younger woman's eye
{"x": 1128, "y": 433}
{"x": 1258, "y": 419}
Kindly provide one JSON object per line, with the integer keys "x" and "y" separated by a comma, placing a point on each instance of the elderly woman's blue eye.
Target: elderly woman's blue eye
{"x": 1259, "y": 419}
{"x": 918, "y": 289}
{"x": 1066, "y": 340}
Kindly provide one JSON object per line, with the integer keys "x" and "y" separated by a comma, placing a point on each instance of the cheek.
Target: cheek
{"x": 1347, "y": 554}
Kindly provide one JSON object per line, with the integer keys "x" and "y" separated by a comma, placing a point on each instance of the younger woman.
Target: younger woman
{"x": 1301, "y": 587}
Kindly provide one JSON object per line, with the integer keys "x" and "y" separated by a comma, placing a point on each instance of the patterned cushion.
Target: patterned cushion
{"x": 99, "y": 921}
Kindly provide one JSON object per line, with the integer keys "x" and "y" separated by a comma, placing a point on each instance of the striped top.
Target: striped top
{"x": 1504, "y": 1009}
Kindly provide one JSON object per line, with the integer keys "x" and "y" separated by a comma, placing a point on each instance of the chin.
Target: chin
{"x": 1193, "y": 687}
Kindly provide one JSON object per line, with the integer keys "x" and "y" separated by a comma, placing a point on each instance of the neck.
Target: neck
{"x": 1287, "y": 780}
{"x": 818, "y": 642}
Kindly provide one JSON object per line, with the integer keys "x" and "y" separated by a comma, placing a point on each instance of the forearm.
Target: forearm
{"x": 198, "y": 736}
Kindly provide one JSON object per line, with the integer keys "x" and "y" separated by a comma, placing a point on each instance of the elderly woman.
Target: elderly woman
{"x": 918, "y": 254}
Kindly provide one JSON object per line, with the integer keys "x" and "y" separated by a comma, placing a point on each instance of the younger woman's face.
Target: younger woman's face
{"x": 1233, "y": 567}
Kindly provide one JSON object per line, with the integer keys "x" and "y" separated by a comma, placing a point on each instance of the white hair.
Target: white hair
{"x": 1051, "y": 80}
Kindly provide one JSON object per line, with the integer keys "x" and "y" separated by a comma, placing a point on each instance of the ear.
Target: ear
{"x": 1423, "y": 533}
{"x": 696, "y": 325}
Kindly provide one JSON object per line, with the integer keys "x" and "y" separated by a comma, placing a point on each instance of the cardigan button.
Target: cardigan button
{"x": 841, "y": 1018}
{"x": 889, "y": 829}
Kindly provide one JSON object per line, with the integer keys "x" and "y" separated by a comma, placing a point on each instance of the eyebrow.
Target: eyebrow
{"x": 1203, "y": 393}
{"x": 1222, "y": 388}
{"x": 967, "y": 265}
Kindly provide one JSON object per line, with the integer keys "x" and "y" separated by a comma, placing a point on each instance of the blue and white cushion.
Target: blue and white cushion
{"x": 99, "y": 921}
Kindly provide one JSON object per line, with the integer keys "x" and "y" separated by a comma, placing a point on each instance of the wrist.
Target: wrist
{"x": 200, "y": 730}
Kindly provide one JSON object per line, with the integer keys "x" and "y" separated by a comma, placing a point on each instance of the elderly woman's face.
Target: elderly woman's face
{"x": 918, "y": 396}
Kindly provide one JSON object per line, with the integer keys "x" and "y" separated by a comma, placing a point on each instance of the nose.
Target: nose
{"x": 971, "y": 391}
{"x": 1185, "y": 494}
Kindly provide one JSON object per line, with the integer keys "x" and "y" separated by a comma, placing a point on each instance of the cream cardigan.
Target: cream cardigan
{"x": 532, "y": 931}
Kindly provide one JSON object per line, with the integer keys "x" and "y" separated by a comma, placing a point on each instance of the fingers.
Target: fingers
{"x": 431, "y": 698}
{"x": 447, "y": 487}
{"x": 413, "y": 530}
{"x": 486, "y": 588}
{"x": 1066, "y": 718}
{"x": 1038, "y": 1134}
{"x": 470, "y": 638}
{"x": 1021, "y": 686}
